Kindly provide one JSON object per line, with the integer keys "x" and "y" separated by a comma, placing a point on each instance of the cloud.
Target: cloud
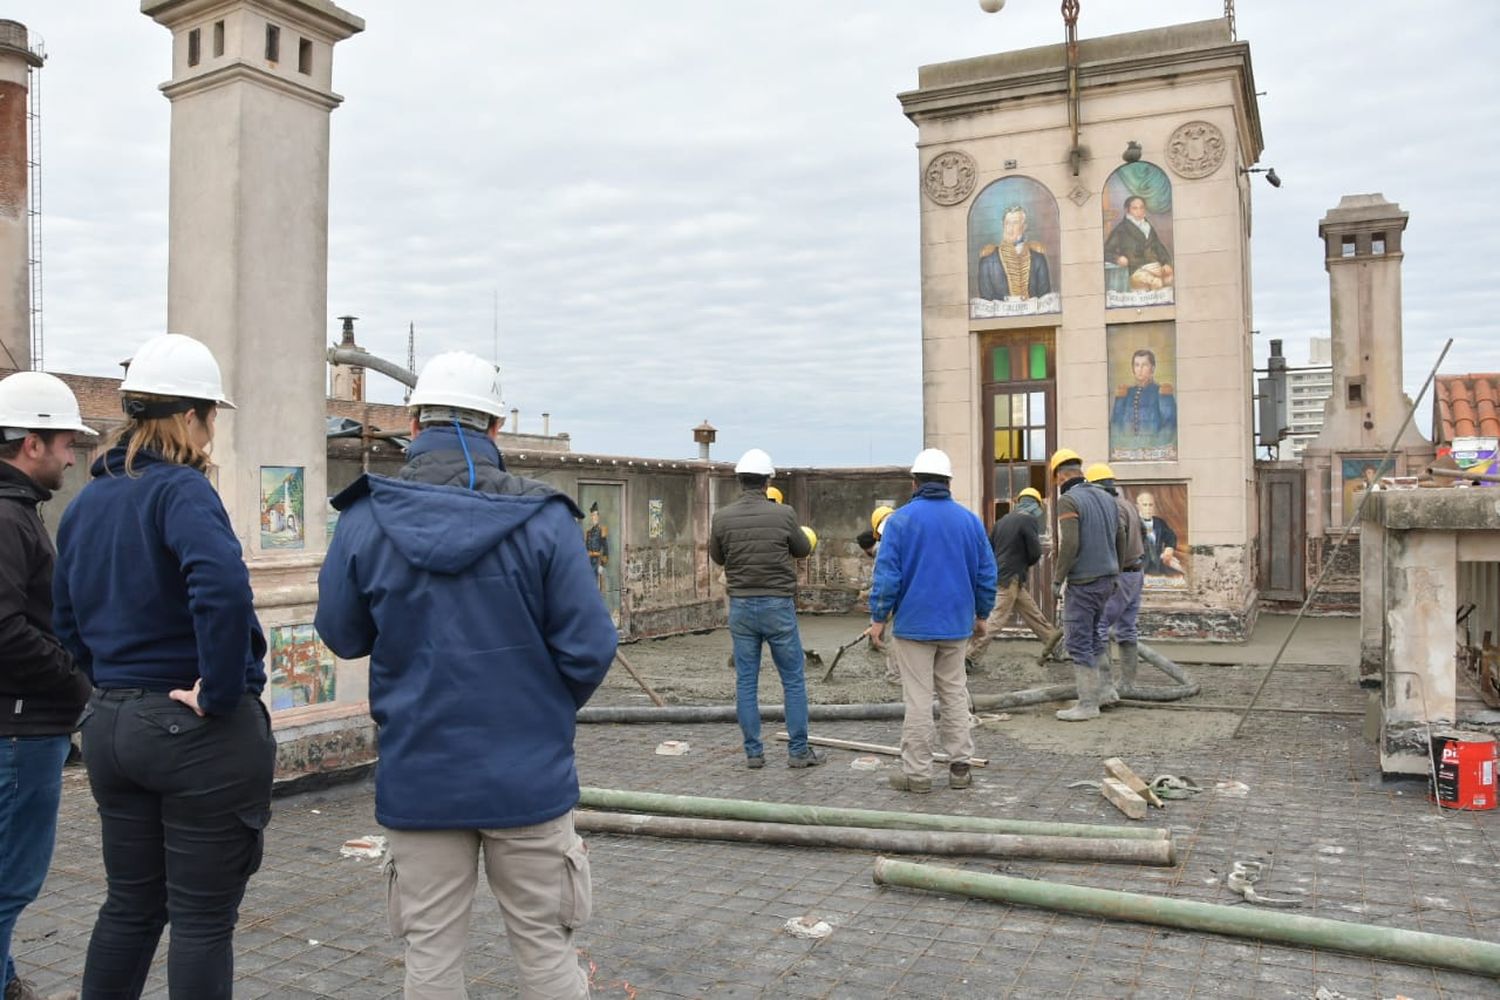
{"x": 691, "y": 210}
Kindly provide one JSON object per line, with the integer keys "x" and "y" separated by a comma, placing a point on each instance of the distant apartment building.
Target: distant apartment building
{"x": 1306, "y": 392}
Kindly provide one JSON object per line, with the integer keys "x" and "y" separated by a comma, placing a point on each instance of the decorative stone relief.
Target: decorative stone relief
{"x": 949, "y": 178}
{"x": 1078, "y": 195}
{"x": 1196, "y": 149}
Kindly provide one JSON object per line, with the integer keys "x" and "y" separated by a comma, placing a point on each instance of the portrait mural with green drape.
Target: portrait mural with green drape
{"x": 1138, "y": 263}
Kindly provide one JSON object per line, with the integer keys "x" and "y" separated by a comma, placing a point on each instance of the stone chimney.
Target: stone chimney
{"x": 347, "y": 381}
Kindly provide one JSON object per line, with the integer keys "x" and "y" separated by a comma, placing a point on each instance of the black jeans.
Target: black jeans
{"x": 183, "y": 805}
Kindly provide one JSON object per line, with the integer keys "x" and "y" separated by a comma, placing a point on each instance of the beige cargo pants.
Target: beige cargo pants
{"x": 928, "y": 669}
{"x": 540, "y": 877}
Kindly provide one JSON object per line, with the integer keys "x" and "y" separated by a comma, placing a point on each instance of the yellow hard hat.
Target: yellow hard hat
{"x": 1030, "y": 492}
{"x": 1098, "y": 471}
{"x": 878, "y": 517}
{"x": 812, "y": 536}
{"x": 1061, "y": 457}
{"x": 772, "y": 493}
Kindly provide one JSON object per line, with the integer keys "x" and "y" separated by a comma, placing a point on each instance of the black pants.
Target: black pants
{"x": 183, "y": 806}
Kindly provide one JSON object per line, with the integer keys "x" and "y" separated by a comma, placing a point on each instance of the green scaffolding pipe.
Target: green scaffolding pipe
{"x": 805, "y": 815}
{"x": 1390, "y": 944}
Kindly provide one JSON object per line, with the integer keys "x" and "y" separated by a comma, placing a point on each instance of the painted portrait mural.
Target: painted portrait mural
{"x": 1164, "y": 515}
{"x": 1143, "y": 392}
{"x": 1015, "y": 251}
{"x": 1138, "y": 267}
{"x": 602, "y": 504}
{"x": 1359, "y": 474}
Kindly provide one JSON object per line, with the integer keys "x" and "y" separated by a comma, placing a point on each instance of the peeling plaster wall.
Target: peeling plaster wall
{"x": 1419, "y": 675}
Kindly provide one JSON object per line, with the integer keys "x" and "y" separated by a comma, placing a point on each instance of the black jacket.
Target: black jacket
{"x": 42, "y": 693}
{"x": 1016, "y": 539}
{"x": 755, "y": 539}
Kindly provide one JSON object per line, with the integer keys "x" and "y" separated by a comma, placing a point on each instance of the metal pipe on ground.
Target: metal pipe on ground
{"x": 994, "y": 845}
{"x": 1389, "y": 944}
{"x": 726, "y": 713}
{"x": 808, "y": 815}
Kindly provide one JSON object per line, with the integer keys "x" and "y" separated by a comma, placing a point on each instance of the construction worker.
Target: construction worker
{"x": 1017, "y": 544}
{"x": 1091, "y": 541}
{"x": 1124, "y": 607}
{"x": 935, "y": 578}
{"x": 756, "y": 540}
{"x": 42, "y": 691}
{"x": 775, "y": 495}
{"x": 869, "y": 542}
{"x": 470, "y": 590}
{"x": 152, "y": 598}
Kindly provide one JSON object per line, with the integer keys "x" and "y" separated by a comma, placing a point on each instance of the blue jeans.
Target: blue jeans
{"x": 1122, "y": 611}
{"x": 30, "y": 790}
{"x": 773, "y": 621}
{"x": 1083, "y": 611}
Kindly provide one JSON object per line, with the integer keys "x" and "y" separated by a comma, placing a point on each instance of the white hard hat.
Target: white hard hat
{"x": 932, "y": 462}
{"x": 459, "y": 379}
{"x": 176, "y": 365}
{"x": 36, "y": 401}
{"x": 754, "y": 463}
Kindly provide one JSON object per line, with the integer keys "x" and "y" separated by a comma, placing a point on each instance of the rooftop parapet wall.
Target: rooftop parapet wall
{"x": 965, "y": 86}
{"x": 1454, "y": 509}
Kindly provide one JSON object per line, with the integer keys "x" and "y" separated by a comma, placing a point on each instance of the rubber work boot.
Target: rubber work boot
{"x": 25, "y": 989}
{"x": 810, "y": 759}
{"x": 756, "y": 762}
{"x": 1129, "y": 660}
{"x": 959, "y": 776}
{"x": 1108, "y": 696}
{"x": 903, "y": 782}
{"x": 1088, "y": 697}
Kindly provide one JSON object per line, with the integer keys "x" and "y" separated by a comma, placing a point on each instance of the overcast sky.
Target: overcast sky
{"x": 709, "y": 209}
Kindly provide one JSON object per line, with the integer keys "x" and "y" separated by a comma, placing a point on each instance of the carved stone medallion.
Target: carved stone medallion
{"x": 949, "y": 178}
{"x": 1196, "y": 149}
{"x": 1078, "y": 195}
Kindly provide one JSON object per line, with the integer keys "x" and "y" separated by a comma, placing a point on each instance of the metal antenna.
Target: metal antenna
{"x": 411, "y": 355}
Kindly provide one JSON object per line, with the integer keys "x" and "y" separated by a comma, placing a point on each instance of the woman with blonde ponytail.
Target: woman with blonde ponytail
{"x": 153, "y": 600}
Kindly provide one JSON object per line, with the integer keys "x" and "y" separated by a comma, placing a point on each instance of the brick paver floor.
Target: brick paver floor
{"x": 700, "y": 919}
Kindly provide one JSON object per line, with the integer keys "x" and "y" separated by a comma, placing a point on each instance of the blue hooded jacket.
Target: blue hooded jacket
{"x": 934, "y": 568}
{"x": 151, "y": 589}
{"x": 485, "y": 630}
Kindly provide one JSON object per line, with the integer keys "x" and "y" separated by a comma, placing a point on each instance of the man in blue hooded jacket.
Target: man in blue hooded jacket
{"x": 936, "y": 571}
{"x": 471, "y": 592}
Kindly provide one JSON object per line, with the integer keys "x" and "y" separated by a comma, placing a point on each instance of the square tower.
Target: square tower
{"x": 251, "y": 93}
{"x": 1095, "y": 294}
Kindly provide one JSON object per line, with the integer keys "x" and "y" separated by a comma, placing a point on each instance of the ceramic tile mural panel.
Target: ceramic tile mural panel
{"x": 1015, "y": 250}
{"x": 302, "y": 668}
{"x": 281, "y": 514}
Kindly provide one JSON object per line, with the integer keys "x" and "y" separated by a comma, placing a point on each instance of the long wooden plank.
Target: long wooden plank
{"x": 881, "y": 748}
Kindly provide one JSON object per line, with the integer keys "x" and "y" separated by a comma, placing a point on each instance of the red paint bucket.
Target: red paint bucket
{"x": 1464, "y": 765}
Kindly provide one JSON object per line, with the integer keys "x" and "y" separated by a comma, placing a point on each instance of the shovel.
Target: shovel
{"x": 846, "y": 646}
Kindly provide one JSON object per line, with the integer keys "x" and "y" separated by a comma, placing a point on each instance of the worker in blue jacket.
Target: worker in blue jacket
{"x": 471, "y": 592}
{"x": 152, "y": 598}
{"x": 935, "y": 578}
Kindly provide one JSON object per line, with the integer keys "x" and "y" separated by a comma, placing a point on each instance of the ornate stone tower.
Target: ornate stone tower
{"x": 251, "y": 92}
{"x": 1362, "y": 254}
